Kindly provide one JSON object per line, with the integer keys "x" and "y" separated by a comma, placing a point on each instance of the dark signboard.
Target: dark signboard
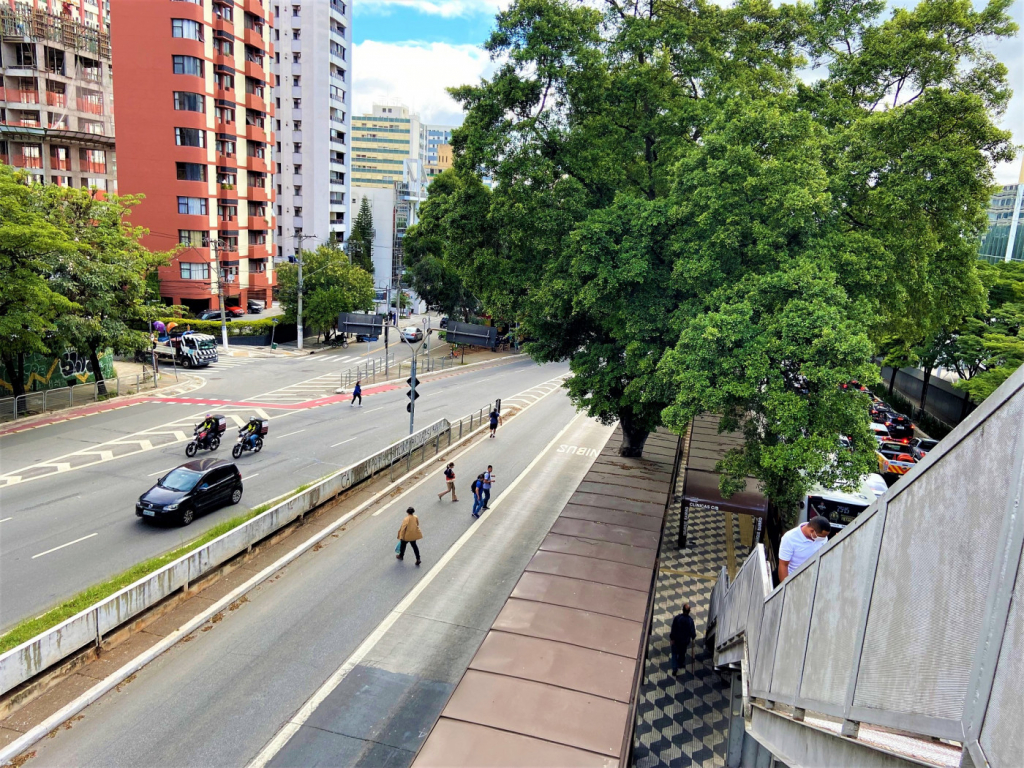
{"x": 701, "y": 492}
{"x": 839, "y": 513}
{"x": 360, "y": 324}
{"x": 475, "y": 335}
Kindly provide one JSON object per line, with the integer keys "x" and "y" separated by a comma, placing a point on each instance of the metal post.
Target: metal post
{"x": 214, "y": 245}
{"x": 298, "y": 316}
{"x": 412, "y": 396}
{"x": 460, "y": 429}
{"x": 44, "y": 401}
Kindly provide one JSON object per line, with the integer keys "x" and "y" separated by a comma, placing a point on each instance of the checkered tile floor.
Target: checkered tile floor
{"x": 683, "y": 721}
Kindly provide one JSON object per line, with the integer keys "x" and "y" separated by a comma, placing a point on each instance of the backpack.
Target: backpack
{"x": 449, "y": 474}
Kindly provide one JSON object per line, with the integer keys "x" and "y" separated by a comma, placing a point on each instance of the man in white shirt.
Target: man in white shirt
{"x": 801, "y": 543}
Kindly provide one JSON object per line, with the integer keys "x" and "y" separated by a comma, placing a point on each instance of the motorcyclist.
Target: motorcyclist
{"x": 249, "y": 432}
{"x": 208, "y": 428}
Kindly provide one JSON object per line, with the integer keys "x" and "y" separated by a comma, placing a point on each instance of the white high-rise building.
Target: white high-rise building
{"x": 312, "y": 78}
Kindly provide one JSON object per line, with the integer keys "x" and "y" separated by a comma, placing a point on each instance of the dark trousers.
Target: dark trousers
{"x": 485, "y": 494}
{"x": 358, "y": 397}
{"x": 401, "y": 552}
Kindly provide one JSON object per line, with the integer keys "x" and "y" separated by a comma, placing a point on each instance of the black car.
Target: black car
{"x": 192, "y": 489}
{"x": 900, "y": 427}
{"x": 920, "y": 446}
{"x": 255, "y": 306}
{"x": 213, "y": 314}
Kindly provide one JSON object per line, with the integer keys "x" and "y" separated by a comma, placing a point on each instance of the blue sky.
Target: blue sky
{"x": 409, "y": 51}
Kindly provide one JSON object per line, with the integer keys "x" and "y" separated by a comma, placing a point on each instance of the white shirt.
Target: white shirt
{"x": 796, "y": 548}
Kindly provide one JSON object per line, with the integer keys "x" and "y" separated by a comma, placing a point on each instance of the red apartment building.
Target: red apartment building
{"x": 194, "y": 113}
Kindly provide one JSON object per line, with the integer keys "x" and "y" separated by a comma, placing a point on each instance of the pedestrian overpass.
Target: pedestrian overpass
{"x": 902, "y": 641}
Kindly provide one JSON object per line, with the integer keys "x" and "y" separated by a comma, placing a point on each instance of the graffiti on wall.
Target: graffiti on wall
{"x": 52, "y": 372}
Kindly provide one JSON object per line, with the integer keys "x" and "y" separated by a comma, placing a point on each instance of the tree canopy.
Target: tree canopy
{"x": 360, "y": 241}
{"x": 695, "y": 228}
{"x": 331, "y": 285}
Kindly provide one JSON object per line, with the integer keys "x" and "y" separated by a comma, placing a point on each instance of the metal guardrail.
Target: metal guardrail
{"x": 912, "y": 618}
{"x": 61, "y": 398}
{"x": 87, "y": 627}
{"x": 372, "y": 370}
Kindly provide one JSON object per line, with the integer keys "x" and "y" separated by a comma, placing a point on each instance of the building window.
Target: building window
{"x": 225, "y": 114}
{"x": 225, "y": 147}
{"x": 190, "y": 137}
{"x": 191, "y": 171}
{"x": 196, "y": 238}
{"x": 224, "y": 82}
{"x": 195, "y": 271}
{"x": 194, "y": 2}
{"x": 189, "y": 102}
{"x": 187, "y": 65}
{"x": 187, "y": 29}
{"x": 192, "y": 206}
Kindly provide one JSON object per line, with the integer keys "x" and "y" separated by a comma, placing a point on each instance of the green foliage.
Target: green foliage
{"x": 360, "y": 241}
{"x": 30, "y": 249}
{"x": 330, "y": 285}
{"x": 245, "y": 327}
{"x": 695, "y": 229}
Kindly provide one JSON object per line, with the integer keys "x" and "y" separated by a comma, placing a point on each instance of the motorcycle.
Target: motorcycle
{"x": 247, "y": 442}
{"x": 207, "y": 439}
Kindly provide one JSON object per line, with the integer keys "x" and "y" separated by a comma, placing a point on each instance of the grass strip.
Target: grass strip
{"x": 87, "y": 598}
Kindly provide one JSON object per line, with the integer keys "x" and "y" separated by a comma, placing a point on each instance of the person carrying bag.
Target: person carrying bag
{"x": 409, "y": 533}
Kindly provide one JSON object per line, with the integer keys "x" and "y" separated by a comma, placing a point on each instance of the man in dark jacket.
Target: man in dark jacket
{"x": 683, "y": 634}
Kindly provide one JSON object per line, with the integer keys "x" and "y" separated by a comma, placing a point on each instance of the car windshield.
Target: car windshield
{"x": 180, "y": 480}
{"x": 207, "y": 344}
{"x": 927, "y": 445}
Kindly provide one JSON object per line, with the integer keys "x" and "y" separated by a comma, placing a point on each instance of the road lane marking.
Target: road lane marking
{"x": 154, "y": 474}
{"x": 6, "y": 519}
{"x": 374, "y": 409}
{"x": 306, "y": 711}
{"x": 343, "y": 442}
{"x": 249, "y": 477}
{"x": 64, "y": 545}
{"x": 290, "y": 434}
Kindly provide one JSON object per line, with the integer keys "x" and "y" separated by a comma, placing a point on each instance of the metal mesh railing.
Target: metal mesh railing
{"x": 57, "y": 399}
{"x": 911, "y": 618}
{"x": 381, "y": 369}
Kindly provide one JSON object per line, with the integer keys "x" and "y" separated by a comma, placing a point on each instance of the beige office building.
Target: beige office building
{"x": 381, "y": 142}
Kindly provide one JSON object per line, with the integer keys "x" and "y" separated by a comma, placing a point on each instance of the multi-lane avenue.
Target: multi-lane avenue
{"x": 73, "y": 524}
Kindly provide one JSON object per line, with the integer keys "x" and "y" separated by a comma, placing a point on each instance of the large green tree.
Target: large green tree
{"x": 330, "y": 285}
{"x": 361, "y": 239}
{"x": 107, "y": 277}
{"x": 30, "y": 249}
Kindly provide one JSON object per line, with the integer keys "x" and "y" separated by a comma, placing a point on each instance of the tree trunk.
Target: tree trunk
{"x": 101, "y": 387}
{"x": 17, "y": 378}
{"x": 892, "y": 379}
{"x": 924, "y": 387}
{"x": 633, "y": 437}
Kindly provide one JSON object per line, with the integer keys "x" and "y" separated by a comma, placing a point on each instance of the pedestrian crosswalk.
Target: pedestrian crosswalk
{"x": 310, "y": 389}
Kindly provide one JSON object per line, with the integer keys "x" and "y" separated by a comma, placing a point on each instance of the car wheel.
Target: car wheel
{"x": 259, "y": 444}
{"x": 236, "y": 495}
{"x": 187, "y": 516}
{"x": 214, "y": 443}
{"x": 191, "y": 448}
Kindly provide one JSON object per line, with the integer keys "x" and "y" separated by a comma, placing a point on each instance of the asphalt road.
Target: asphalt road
{"x": 220, "y": 698}
{"x": 64, "y": 532}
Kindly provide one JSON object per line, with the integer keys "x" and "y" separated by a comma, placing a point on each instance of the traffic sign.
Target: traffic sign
{"x": 409, "y": 381}
{"x": 412, "y": 395}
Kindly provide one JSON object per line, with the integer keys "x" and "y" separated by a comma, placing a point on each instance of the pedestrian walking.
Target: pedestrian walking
{"x": 409, "y": 533}
{"x": 681, "y": 637}
{"x": 495, "y": 420}
{"x": 487, "y": 480}
{"x": 357, "y": 393}
{"x": 478, "y": 495}
{"x": 800, "y": 543}
{"x": 449, "y": 476}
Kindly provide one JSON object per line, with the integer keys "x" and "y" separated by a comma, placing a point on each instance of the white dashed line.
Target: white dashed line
{"x": 6, "y": 519}
{"x": 154, "y": 474}
{"x": 333, "y": 446}
{"x": 64, "y": 545}
{"x": 290, "y": 434}
{"x": 249, "y": 477}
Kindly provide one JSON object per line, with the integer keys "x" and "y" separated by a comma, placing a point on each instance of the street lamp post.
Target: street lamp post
{"x": 214, "y": 246}
{"x": 298, "y": 258}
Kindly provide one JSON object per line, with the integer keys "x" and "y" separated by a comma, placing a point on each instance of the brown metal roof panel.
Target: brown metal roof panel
{"x": 626, "y": 505}
{"x": 591, "y": 569}
{"x": 635, "y": 480}
{"x": 542, "y": 711}
{"x": 636, "y": 493}
{"x": 619, "y": 553}
{"x": 612, "y": 517}
{"x": 570, "y": 625}
{"x": 615, "y": 534}
{"x": 584, "y": 595}
{"x": 567, "y": 666}
{"x": 458, "y": 744}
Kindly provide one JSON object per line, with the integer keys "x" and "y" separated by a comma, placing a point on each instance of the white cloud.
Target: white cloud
{"x": 416, "y": 74}
{"x": 446, "y": 8}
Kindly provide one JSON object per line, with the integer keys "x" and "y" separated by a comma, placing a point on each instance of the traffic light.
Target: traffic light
{"x": 412, "y": 394}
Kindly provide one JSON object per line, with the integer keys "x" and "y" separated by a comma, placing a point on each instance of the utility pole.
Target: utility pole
{"x": 387, "y": 324}
{"x": 214, "y": 246}
{"x": 298, "y": 258}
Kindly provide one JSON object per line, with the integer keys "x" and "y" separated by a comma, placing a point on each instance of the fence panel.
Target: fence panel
{"x": 764, "y": 659}
{"x": 926, "y": 611}
{"x": 796, "y": 616}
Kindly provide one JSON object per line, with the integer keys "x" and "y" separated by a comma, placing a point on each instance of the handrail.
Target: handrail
{"x": 906, "y": 618}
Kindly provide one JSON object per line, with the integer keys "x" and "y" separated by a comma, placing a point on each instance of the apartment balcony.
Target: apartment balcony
{"x": 223, "y": 60}
{"x": 91, "y": 75}
{"x": 60, "y": 164}
{"x": 296, "y": 68}
{"x": 297, "y": 222}
{"x": 56, "y": 99}
{"x": 297, "y": 158}
{"x": 92, "y": 107}
{"x": 23, "y": 123}
{"x": 227, "y": 161}
{"x": 259, "y": 279}
{"x": 255, "y": 39}
{"x": 257, "y": 164}
{"x": 255, "y": 101}
{"x": 255, "y": 69}
{"x": 256, "y": 133}
{"x": 224, "y": 126}
{"x": 92, "y": 167}
{"x": 256, "y": 7}
{"x": 20, "y": 161}
{"x": 20, "y": 96}
{"x": 258, "y": 194}
{"x": 227, "y": 94}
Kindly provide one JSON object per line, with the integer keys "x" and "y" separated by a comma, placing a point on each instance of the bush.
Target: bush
{"x": 259, "y": 327}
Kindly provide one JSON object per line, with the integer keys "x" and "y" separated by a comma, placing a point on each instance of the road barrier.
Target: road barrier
{"x": 34, "y": 656}
{"x": 68, "y": 397}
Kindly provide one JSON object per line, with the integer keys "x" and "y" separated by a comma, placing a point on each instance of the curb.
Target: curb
{"x": 30, "y": 737}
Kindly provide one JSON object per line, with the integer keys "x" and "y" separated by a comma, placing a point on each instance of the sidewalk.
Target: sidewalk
{"x": 684, "y": 720}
